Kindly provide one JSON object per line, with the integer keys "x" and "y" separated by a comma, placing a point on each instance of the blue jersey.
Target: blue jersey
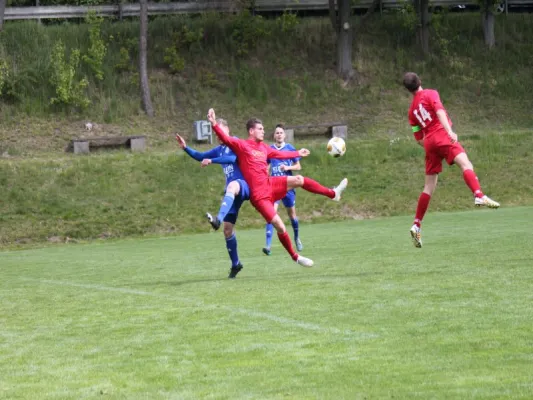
{"x": 222, "y": 155}
{"x": 275, "y": 163}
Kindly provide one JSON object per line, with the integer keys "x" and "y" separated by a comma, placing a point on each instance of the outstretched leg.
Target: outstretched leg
{"x": 313, "y": 186}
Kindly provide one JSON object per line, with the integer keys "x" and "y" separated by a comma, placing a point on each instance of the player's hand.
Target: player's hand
{"x": 304, "y": 152}
{"x": 453, "y": 137}
{"x": 282, "y": 168}
{"x": 211, "y": 117}
{"x": 181, "y": 141}
{"x": 206, "y": 162}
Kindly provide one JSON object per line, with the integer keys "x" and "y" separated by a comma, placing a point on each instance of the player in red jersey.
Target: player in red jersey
{"x": 432, "y": 129}
{"x": 252, "y": 155}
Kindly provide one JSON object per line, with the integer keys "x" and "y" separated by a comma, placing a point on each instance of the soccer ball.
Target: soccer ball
{"x": 336, "y": 147}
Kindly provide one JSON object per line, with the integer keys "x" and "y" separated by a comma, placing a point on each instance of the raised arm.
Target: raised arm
{"x": 199, "y": 156}
{"x": 228, "y": 159}
{"x": 284, "y": 155}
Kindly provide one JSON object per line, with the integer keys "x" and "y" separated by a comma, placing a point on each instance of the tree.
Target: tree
{"x": 422, "y": 27}
{"x": 2, "y": 11}
{"x": 340, "y": 19}
{"x": 487, "y": 20}
{"x": 143, "y": 60}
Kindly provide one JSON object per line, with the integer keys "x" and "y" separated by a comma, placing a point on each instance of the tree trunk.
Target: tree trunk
{"x": 344, "y": 41}
{"x": 422, "y": 32}
{"x": 2, "y": 11}
{"x": 487, "y": 17}
{"x": 333, "y": 15}
{"x": 143, "y": 67}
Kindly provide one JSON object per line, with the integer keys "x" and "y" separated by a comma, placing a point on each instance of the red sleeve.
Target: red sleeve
{"x": 281, "y": 155}
{"x": 232, "y": 142}
{"x": 434, "y": 100}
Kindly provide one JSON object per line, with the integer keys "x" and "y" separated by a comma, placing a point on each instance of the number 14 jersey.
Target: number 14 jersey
{"x": 423, "y": 115}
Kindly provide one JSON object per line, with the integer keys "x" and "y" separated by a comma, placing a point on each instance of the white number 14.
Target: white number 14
{"x": 424, "y": 115}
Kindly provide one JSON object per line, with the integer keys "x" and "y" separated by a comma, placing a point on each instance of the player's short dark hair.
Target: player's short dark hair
{"x": 252, "y": 122}
{"x": 221, "y": 121}
{"x": 280, "y": 125}
{"x": 411, "y": 81}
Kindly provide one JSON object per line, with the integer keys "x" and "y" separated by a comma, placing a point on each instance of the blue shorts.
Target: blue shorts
{"x": 289, "y": 200}
{"x": 244, "y": 194}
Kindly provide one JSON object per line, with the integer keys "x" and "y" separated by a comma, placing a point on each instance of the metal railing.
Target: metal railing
{"x": 199, "y": 6}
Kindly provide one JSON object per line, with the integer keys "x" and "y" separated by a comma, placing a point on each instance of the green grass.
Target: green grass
{"x": 119, "y": 194}
{"x": 375, "y": 319}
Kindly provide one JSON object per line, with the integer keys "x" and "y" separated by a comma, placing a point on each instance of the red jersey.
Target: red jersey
{"x": 252, "y": 160}
{"x": 423, "y": 115}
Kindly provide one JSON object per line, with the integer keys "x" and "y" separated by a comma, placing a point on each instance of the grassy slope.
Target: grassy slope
{"x": 120, "y": 194}
{"x": 376, "y": 318}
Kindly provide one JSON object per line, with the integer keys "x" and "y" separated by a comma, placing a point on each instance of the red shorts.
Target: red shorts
{"x": 265, "y": 203}
{"x": 438, "y": 150}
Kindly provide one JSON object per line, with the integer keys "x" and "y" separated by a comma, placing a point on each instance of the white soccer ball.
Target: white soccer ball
{"x": 336, "y": 147}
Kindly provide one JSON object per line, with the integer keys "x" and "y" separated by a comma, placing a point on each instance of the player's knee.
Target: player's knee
{"x": 291, "y": 212}
{"x": 233, "y": 187}
{"x": 228, "y": 229}
{"x": 278, "y": 224}
{"x": 299, "y": 180}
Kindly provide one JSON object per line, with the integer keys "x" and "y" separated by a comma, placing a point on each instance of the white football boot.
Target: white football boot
{"x": 416, "y": 235}
{"x": 339, "y": 189}
{"x": 486, "y": 201}
{"x": 304, "y": 261}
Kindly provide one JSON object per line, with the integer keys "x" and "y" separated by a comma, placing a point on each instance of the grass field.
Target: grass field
{"x": 375, "y": 319}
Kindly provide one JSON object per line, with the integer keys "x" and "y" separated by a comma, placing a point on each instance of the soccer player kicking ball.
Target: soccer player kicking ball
{"x": 281, "y": 168}
{"x": 237, "y": 192}
{"x": 433, "y": 130}
{"x": 252, "y": 155}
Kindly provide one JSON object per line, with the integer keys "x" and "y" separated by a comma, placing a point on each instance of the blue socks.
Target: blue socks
{"x": 231, "y": 245}
{"x": 227, "y": 202}
{"x": 295, "y": 227}
{"x": 269, "y": 231}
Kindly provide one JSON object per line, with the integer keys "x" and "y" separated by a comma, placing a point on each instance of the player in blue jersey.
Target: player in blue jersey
{"x": 236, "y": 193}
{"x": 281, "y": 168}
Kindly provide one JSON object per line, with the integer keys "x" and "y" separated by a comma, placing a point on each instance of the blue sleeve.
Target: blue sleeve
{"x": 229, "y": 159}
{"x": 198, "y": 156}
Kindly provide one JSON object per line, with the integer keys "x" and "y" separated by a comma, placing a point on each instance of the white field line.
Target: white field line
{"x": 200, "y": 304}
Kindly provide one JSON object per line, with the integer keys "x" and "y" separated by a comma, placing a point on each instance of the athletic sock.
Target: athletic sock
{"x": 421, "y": 208}
{"x": 269, "y": 230}
{"x": 227, "y": 202}
{"x": 295, "y": 228}
{"x": 315, "y": 187}
{"x": 285, "y": 240}
{"x": 472, "y": 182}
{"x": 231, "y": 245}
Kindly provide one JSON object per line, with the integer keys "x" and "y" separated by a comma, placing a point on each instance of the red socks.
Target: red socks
{"x": 472, "y": 182}
{"x": 315, "y": 187}
{"x": 285, "y": 240}
{"x": 421, "y": 208}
